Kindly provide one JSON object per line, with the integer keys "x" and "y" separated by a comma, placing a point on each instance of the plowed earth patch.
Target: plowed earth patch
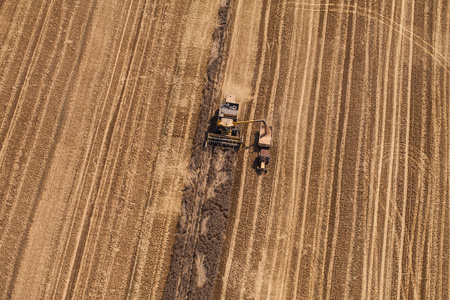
{"x": 205, "y": 206}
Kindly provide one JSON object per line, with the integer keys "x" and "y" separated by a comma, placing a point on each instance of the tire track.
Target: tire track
{"x": 393, "y": 143}
{"x": 250, "y": 262}
{"x": 434, "y": 257}
{"x": 389, "y": 168}
{"x": 11, "y": 180}
{"x": 107, "y": 183}
{"x": 263, "y": 285}
{"x": 62, "y": 113}
{"x": 297, "y": 168}
{"x": 266, "y": 266}
{"x": 368, "y": 261}
{"x": 406, "y": 162}
{"x": 101, "y": 197}
{"x": 384, "y": 131}
{"x": 381, "y": 93}
{"x": 106, "y": 149}
{"x": 343, "y": 119}
{"x": 422, "y": 251}
{"x": 78, "y": 205}
{"x": 327, "y": 152}
{"x": 129, "y": 156}
{"x": 168, "y": 218}
{"x": 167, "y": 223}
{"x": 447, "y": 127}
{"x": 6, "y": 51}
{"x": 97, "y": 210}
{"x": 421, "y": 43}
{"x": 310, "y": 174}
{"x": 55, "y": 131}
{"x": 339, "y": 60}
{"x": 446, "y": 41}
{"x": 322, "y": 26}
{"x": 9, "y": 54}
{"x": 439, "y": 259}
{"x": 64, "y": 225}
{"x": 8, "y": 186}
{"x": 13, "y": 209}
{"x": 148, "y": 214}
{"x": 146, "y": 139}
{"x": 362, "y": 134}
{"x": 73, "y": 269}
{"x": 419, "y": 235}
{"x": 402, "y": 147}
{"x": 269, "y": 119}
{"x": 6, "y": 128}
{"x": 229, "y": 256}
{"x": 7, "y": 14}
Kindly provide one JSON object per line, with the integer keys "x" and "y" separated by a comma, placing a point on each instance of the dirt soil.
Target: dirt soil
{"x": 103, "y": 105}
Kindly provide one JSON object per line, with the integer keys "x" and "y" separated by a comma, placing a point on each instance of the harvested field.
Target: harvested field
{"x": 103, "y": 110}
{"x": 356, "y": 202}
{"x": 99, "y": 102}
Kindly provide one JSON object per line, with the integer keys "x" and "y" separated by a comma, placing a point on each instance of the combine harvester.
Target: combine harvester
{"x": 227, "y": 133}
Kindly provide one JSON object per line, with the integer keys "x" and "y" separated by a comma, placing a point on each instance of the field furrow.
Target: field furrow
{"x": 355, "y": 166}
{"x": 107, "y": 191}
{"x": 103, "y": 108}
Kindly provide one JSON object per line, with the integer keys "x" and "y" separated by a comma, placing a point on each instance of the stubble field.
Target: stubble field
{"x": 106, "y": 190}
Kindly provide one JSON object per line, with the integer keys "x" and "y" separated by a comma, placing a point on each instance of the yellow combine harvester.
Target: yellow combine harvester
{"x": 227, "y": 133}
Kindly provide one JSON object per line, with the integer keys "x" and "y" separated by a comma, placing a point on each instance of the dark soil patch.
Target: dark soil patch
{"x": 205, "y": 203}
